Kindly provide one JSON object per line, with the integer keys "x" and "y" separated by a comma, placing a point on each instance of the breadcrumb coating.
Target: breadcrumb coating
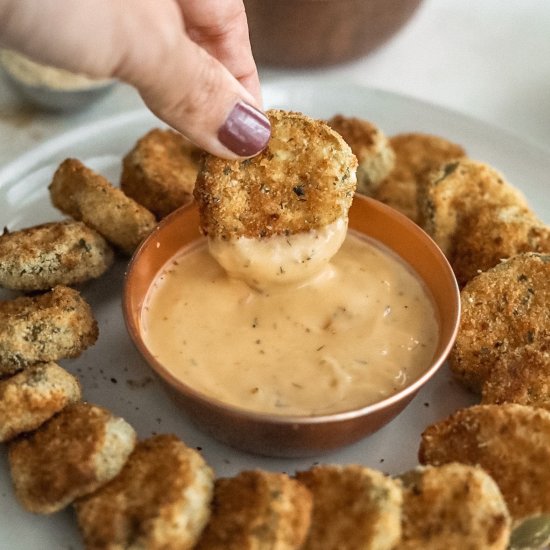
{"x": 510, "y": 442}
{"x": 416, "y": 155}
{"x": 70, "y": 456}
{"x": 303, "y": 180}
{"x": 354, "y": 508}
{"x": 160, "y": 499}
{"x": 494, "y": 234}
{"x": 503, "y": 309}
{"x": 87, "y": 196}
{"x": 370, "y": 145}
{"x": 51, "y": 326}
{"x": 455, "y": 192}
{"x": 57, "y": 253}
{"x": 521, "y": 376}
{"x": 257, "y": 510}
{"x": 160, "y": 171}
{"x": 453, "y": 506}
{"x": 33, "y": 396}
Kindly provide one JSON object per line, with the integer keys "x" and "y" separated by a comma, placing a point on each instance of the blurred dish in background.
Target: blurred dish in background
{"x": 49, "y": 87}
{"x": 302, "y": 33}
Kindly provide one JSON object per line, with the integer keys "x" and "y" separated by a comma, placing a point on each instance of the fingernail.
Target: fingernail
{"x": 246, "y": 130}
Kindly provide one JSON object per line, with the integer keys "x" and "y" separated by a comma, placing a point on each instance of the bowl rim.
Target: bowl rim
{"x": 278, "y": 419}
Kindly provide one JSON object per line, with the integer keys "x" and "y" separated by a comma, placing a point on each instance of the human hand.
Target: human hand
{"x": 189, "y": 59}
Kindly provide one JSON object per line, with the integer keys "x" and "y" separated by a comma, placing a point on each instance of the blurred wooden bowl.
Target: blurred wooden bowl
{"x": 307, "y": 33}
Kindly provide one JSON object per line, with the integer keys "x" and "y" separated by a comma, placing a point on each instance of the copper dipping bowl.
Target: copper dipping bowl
{"x": 296, "y": 436}
{"x": 308, "y": 33}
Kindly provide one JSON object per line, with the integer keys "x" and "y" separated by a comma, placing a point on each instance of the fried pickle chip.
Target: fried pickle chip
{"x": 58, "y": 253}
{"x": 160, "y": 499}
{"x": 303, "y": 180}
{"x": 495, "y": 234}
{"x": 354, "y": 507}
{"x": 160, "y": 171}
{"x": 369, "y": 144}
{"x": 416, "y": 155}
{"x": 453, "y": 506}
{"x": 521, "y": 376}
{"x": 87, "y": 196}
{"x": 33, "y": 396}
{"x": 70, "y": 456}
{"x": 510, "y": 442}
{"x": 51, "y": 326}
{"x": 503, "y": 309}
{"x": 257, "y": 510}
{"x": 455, "y": 192}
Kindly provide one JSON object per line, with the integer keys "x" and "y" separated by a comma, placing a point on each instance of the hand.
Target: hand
{"x": 190, "y": 59}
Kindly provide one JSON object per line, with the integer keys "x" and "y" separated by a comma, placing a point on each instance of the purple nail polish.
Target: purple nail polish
{"x": 246, "y": 130}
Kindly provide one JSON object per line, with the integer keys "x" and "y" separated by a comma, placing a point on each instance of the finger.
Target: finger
{"x": 221, "y": 28}
{"x": 147, "y": 47}
{"x": 187, "y": 87}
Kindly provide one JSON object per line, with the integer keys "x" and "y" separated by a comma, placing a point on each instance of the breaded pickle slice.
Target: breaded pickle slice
{"x": 521, "y": 376}
{"x": 72, "y": 455}
{"x": 160, "y": 499}
{"x": 57, "y": 253}
{"x": 87, "y": 196}
{"x": 453, "y": 506}
{"x": 372, "y": 148}
{"x": 160, "y": 171}
{"x": 257, "y": 510}
{"x": 33, "y": 396}
{"x": 503, "y": 309}
{"x": 354, "y": 507}
{"x": 51, "y": 326}
{"x": 416, "y": 155}
{"x": 494, "y": 234}
{"x": 456, "y": 191}
{"x": 510, "y": 442}
{"x": 303, "y": 180}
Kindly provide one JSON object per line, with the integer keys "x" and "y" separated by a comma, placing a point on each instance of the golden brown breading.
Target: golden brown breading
{"x": 510, "y": 442}
{"x": 503, "y": 309}
{"x": 257, "y": 511}
{"x": 160, "y": 171}
{"x": 58, "y": 253}
{"x": 54, "y": 325}
{"x": 369, "y": 144}
{"x": 160, "y": 500}
{"x": 354, "y": 507}
{"x": 87, "y": 196}
{"x": 33, "y": 396}
{"x": 416, "y": 155}
{"x": 456, "y": 191}
{"x": 304, "y": 179}
{"x": 70, "y": 456}
{"x": 453, "y": 506}
{"x": 521, "y": 376}
{"x": 494, "y": 234}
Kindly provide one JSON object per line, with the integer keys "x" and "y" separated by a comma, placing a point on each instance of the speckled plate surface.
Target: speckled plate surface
{"x": 115, "y": 376}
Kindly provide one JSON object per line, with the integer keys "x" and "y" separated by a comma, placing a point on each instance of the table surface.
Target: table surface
{"x": 490, "y": 60}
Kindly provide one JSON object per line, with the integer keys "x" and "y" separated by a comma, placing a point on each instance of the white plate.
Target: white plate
{"x": 115, "y": 376}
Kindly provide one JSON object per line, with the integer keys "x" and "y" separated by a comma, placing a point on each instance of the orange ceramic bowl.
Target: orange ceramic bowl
{"x": 292, "y": 436}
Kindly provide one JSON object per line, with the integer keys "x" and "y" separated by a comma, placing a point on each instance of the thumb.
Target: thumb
{"x": 194, "y": 93}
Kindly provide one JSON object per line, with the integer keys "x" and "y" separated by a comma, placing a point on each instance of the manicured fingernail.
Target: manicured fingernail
{"x": 246, "y": 130}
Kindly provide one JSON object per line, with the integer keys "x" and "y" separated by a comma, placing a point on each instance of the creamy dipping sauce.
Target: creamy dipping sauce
{"x": 362, "y": 329}
{"x": 280, "y": 260}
